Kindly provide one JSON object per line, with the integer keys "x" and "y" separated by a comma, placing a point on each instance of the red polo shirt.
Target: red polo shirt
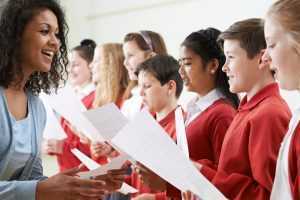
{"x": 248, "y": 157}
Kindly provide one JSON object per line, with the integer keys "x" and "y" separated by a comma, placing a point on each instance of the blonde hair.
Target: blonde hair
{"x": 113, "y": 82}
{"x": 287, "y": 14}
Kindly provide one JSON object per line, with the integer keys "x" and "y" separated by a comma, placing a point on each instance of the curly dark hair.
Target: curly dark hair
{"x": 16, "y": 14}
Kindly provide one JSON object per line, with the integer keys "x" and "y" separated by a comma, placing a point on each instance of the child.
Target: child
{"x": 248, "y": 157}
{"x": 161, "y": 86}
{"x": 282, "y": 32}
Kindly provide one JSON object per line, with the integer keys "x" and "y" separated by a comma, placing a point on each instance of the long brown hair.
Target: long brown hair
{"x": 113, "y": 75}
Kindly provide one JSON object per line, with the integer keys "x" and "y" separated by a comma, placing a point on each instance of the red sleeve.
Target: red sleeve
{"x": 264, "y": 137}
{"x": 218, "y": 135}
{"x": 208, "y": 167}
{"x": 294, "y": 164}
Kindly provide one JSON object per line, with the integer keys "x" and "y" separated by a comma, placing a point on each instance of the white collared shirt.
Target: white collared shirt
{"x": 86, "y": 90}
{"x": 132, "y": 105}
{"x": 281, "y": 187}
{"x": 197, "y": 105}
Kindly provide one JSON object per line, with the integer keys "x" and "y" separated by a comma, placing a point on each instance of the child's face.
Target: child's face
{"x": 133, "y": 57}
{"x": 283, "y": 55}
{"x": 195, "y": 76}
{"x": 96, "y": 64}
{"x": 79, "y": 70}
{"x": 155, "y": 96}
{"x": 242, "y": 71}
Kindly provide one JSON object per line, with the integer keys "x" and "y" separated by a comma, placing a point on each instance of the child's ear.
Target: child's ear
{"x": 152, "y": 54}
{"x": 171, "y": 86}
{"x": 213, "y": 66}
{"x": 263, "y": 59}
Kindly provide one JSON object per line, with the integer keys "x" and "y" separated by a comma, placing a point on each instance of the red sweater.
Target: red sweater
{"x": 206, "y": 132}
{"x": 294, "y": 163}
{"x": 248, "y": 158}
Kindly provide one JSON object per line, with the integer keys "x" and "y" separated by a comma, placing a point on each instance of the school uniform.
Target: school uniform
{"x": 247, "y": 162}
{"x": 208, "y": 119}
{"x": 287, "y": 178}
{"x": 132, "y": 105}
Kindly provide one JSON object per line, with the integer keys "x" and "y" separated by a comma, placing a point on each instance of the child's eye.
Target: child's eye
{"x": 271, "y": 46}
{"x": 146, "y": 86}
{"x": 45, "y": 31}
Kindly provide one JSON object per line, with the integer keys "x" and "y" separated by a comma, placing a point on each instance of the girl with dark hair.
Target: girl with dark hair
{"x": 33, "y": 58}
{"x": 81, "y": 80}
{"x": 80, "y": 72}
{"x": 211, "y": 112}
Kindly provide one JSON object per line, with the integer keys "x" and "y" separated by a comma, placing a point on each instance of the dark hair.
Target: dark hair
{"x": 14, "y": 18}
{"x": 164, "y": 68}
{"x": 204, "y": 43}
{"x": 148, "y": 41}
{"x": 86, "y": 49}
{"x": 249, "y": 33}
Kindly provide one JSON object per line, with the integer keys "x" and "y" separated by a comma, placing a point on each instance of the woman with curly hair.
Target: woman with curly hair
{"x": 33, "y": 58}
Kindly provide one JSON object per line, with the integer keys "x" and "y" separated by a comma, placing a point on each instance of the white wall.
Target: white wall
{"x": 109, "y": 21}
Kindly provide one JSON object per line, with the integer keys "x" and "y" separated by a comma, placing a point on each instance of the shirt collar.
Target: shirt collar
{"x": 204, "y": 102}
{"x": 86, "y": 90}
{"x": 269, "y": 90}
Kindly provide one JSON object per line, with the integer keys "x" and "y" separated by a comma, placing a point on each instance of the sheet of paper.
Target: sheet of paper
{"x": 97, "y": 169}
{"x": 180, "y": 132}
{"x": 147, "y": 142}
{"x": 88, "y": 162}
{"x": 53, "y": 129}
{"x": 67, "y": 104}
{"x": 107, "y": 119}
{"x": 115, "y": 163}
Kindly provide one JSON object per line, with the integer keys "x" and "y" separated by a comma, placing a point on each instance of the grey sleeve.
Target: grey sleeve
{"x": 16, "y": 190}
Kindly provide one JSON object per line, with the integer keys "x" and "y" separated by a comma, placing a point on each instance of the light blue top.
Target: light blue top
{"x": 20, "y": 163}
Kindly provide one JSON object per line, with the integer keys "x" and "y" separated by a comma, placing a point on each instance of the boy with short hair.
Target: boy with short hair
{"x": 248, "y": 157}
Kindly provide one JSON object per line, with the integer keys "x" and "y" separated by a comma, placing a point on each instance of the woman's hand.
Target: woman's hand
{"x": 113, "y": 179}
{"x": 66, "y": 186}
